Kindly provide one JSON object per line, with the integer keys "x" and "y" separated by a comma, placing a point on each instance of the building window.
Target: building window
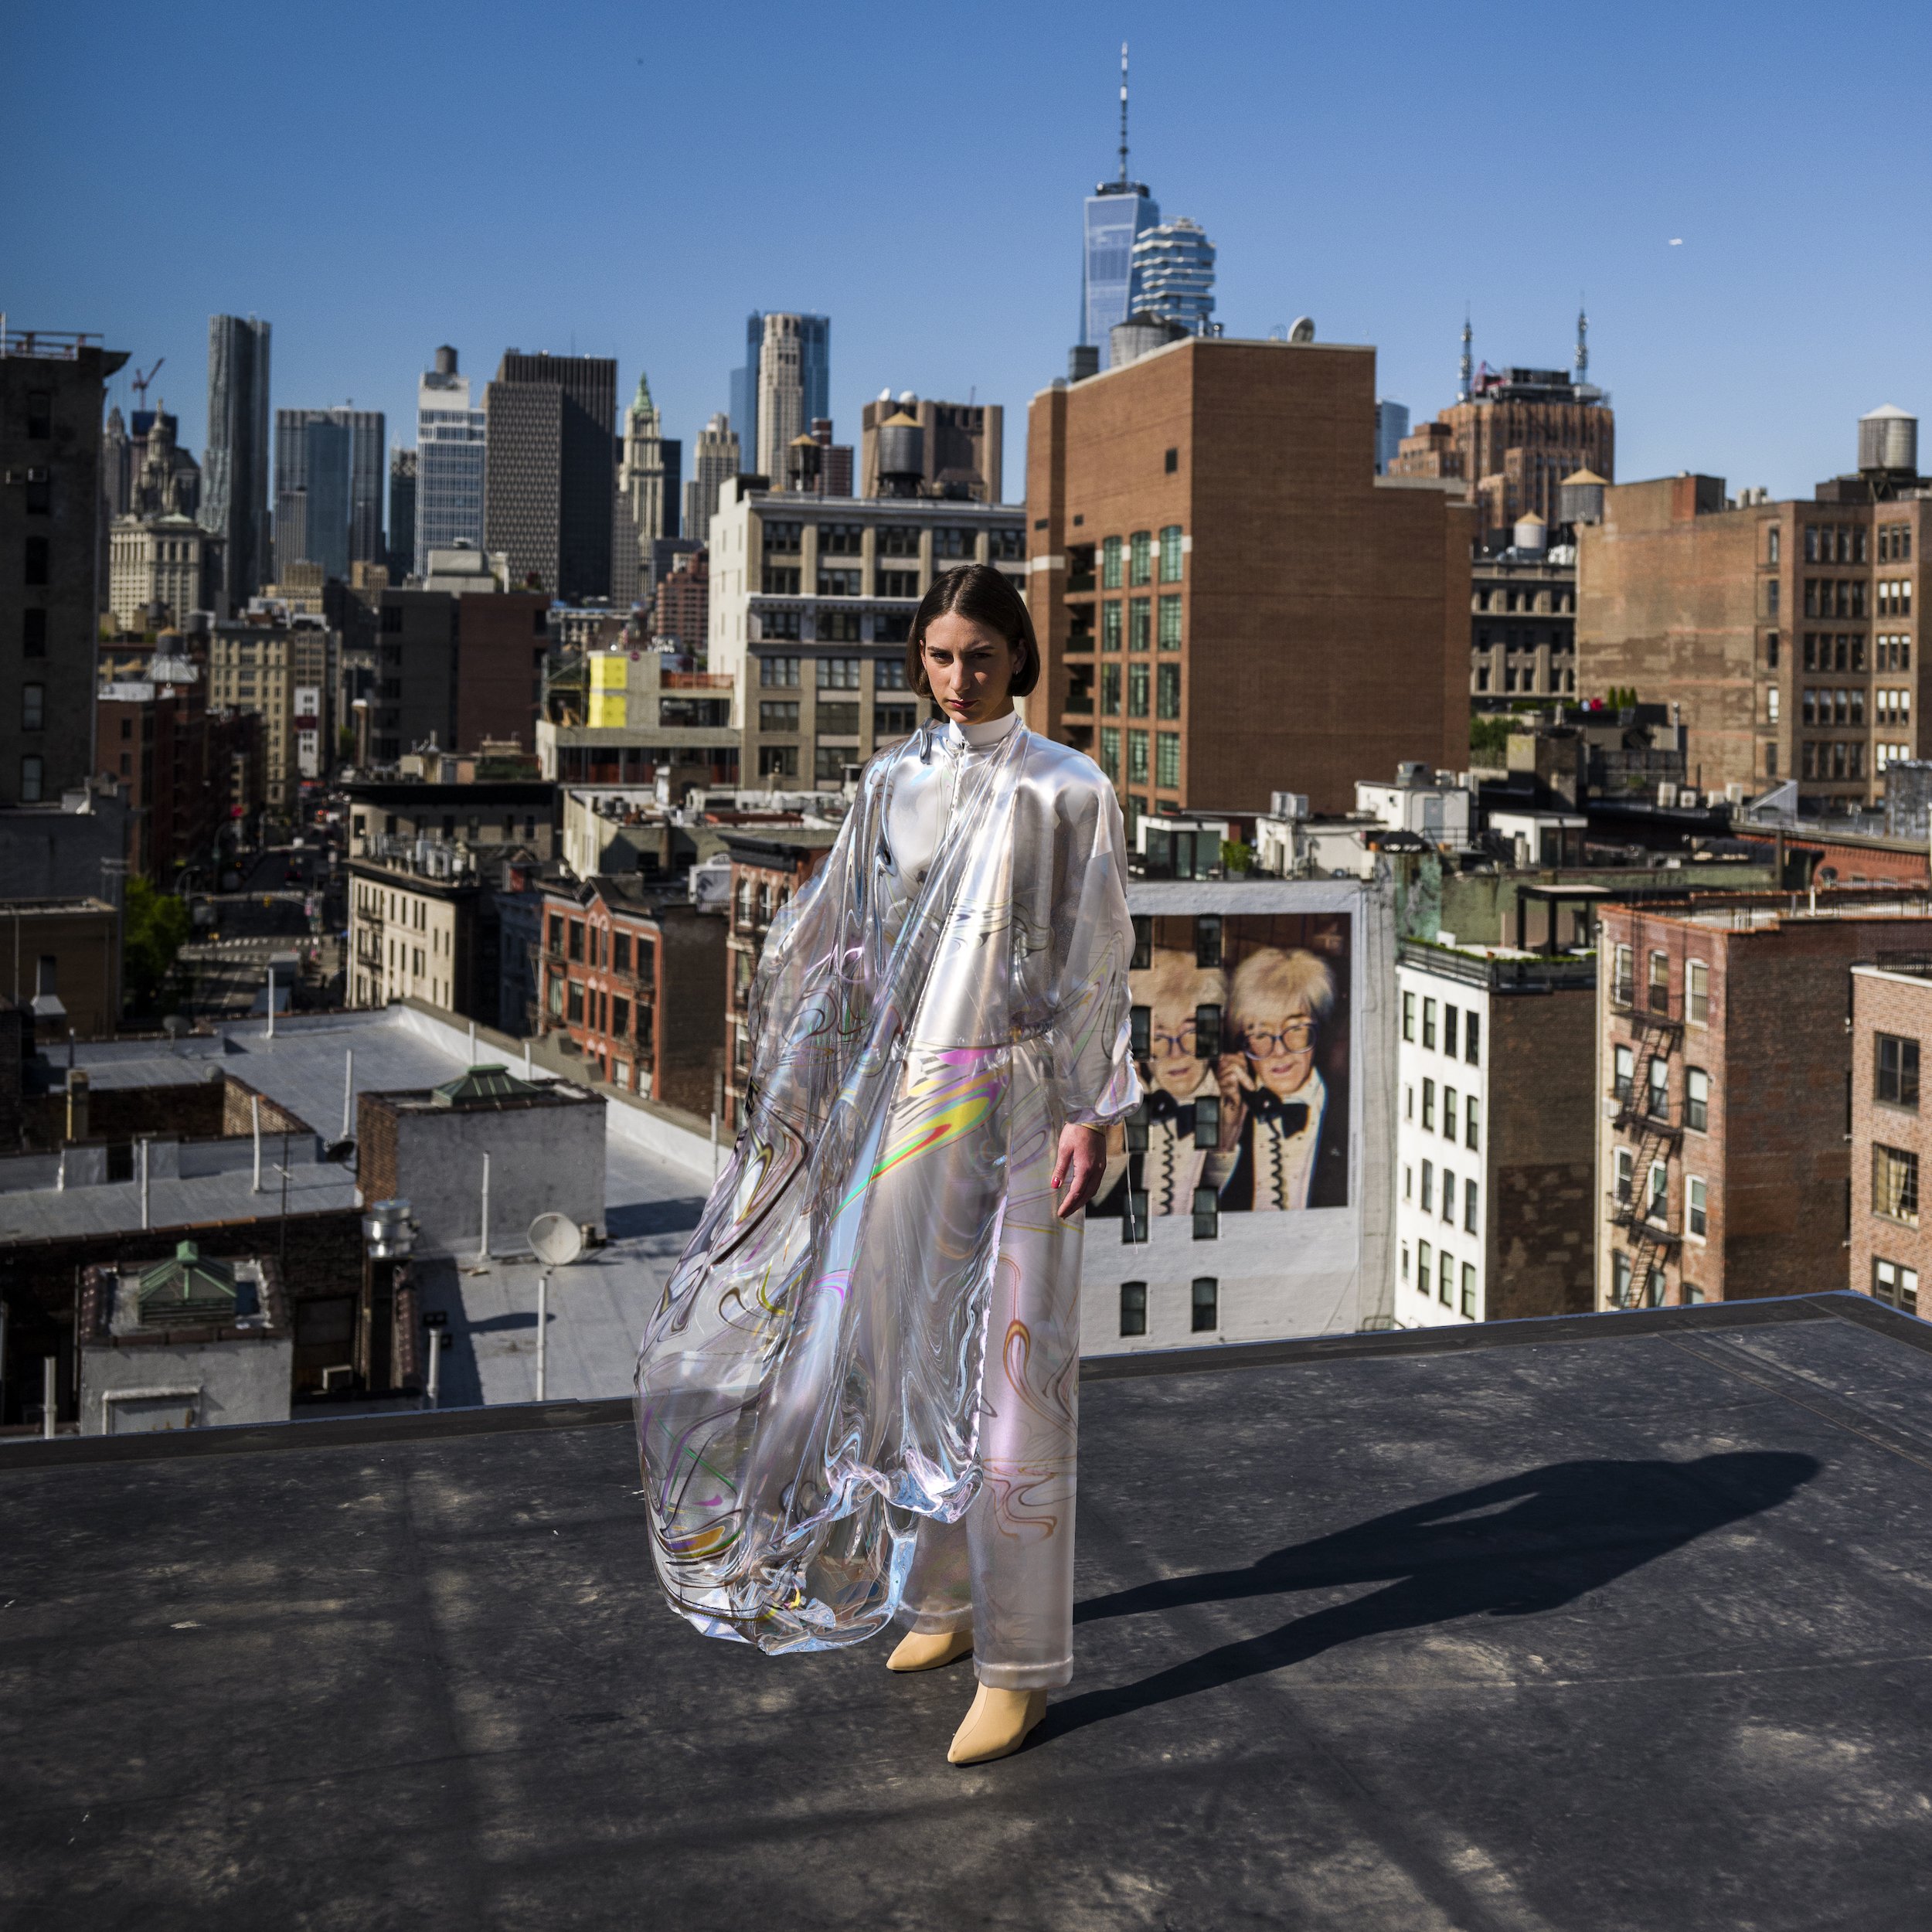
{"x": 1895, "y": 1184}
{"x": 1207, "y": 1304}
{"x": 1133, "y": 1307}
{"x": 1207, "y": 941}
{"x": 838, "y": 674}
{"x": 1110, "y": 626}
{"x": 1697, "y": 1099}
{"x": 621, "y": 953}
{"x": 1134, "y": 1216}
{"x": 1623, "y": 984}
{"x": 35, "y": 555}
{"x": 1697, "y": 997}
{"x": 1409, "y": 1016}
{"x": 1696, "y": 1217}
{"x": 1171, "y": 559}
{"x": 1110, "y": 751}
{"x": 1625, "y": 1177}
{"x": 1428, "y": 1187}
{"x": 1653, "y": 1287}
{"x": 1472, "y": 1038}
{"x": 1137, "y": 690}
{"x": 1449, "y": 1029}
{"x": 1448, "y": 1197}
{"x": 1423, "y": 1255}
{"x": 1168, "y": 626}
{"x": 33, "y": 701}
{"x": 1446, "y": 1278}
{"x": 573, "y": 998}
{"x": 1774, "y": 543}
{"x": 1137, "y": 757}
{"x": 1771, "y": 696}
{"x": 619, "y": 1019}
{"x": 778, "y": 714}
{"x": 1619, "y": 1280}
{"x": 1657, "y": 1202}
{"x": 31, "y": 779}
{"x": 1140, "y": 568}
{"x": 1469, "y": 1291}
{"x": 1139, "y": 624}
{"x": 829, "y": 762}
{"x": 1449, "y": 1110}
{"x": 777, "y": 761}
{"x": 1897, "y": 1069}
{"x": 33, "y": 633}
{"x": 1110, "y": 563}
{"x": 778, "y": 671}
{"x": 1659, "y": 1095}
{"x": 1469, "y": 1208}
{"x": 1623, "y": 1072}
{"x": 1470, "y": 1136}
{"x": 1896, "y": 1286}
{"x": 1109, "y": 687}
{"x": 1429, "y": 1103}
{"x": 1207, "y": 1214}
{"x": 1167, "y": 691}
{"x": 1166, "y": 758}
{"x": 1659, "y": 987}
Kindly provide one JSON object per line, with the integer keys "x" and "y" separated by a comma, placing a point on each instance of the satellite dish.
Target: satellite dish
{"x": 556, "y": 1240}
{"x": 1301, "y": 329}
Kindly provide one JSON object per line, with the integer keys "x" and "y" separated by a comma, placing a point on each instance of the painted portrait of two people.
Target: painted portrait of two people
{"x": 1241, "y": 1035}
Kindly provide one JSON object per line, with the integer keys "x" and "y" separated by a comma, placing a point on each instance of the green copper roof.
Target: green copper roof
{"x": 481, "y": 1083}
{"x": 187, "y": 1289}
{"x": 643, "y": 399}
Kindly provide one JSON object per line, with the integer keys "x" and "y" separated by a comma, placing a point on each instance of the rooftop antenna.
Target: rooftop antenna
{"x": 1583, "y": 337}
{"x": 1123, "y": 113}
{"x": 1465, "y": 369}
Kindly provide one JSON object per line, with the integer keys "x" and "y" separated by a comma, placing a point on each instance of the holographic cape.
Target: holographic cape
{"x": 809, "y": 1387}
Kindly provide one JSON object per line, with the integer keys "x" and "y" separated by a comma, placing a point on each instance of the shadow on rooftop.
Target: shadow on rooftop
{"x": 635, "y": 1218}
{"x": 1549, "y": 1536}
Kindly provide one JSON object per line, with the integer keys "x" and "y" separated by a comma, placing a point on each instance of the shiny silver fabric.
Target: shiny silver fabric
{"x": 815, "y": 1384}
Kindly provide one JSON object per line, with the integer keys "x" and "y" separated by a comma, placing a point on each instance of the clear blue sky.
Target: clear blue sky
{"x": 376, "y": 179}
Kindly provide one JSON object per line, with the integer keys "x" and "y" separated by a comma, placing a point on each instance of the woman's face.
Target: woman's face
{"x": 1280, "y": 1048}
{"x": 969, "y": 668}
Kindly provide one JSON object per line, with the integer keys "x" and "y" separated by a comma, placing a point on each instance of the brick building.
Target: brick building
{"x": 1495, "y": 1139}
{"x": 1722, "y": 1065}
{"x": 681, "y": 611}
{"x": 1514, "y": 438}
{"x": 635, "y": 976}
{"x": 62, "y": 959}
{"x": 1785, "y": 632}
{"x": 1891, "y": 1236}
{"x": 637, "y": 720}
{"x": 1229, "y": 601}
{"x": 766, "y": 870}
{"x": 454, "y": 669}
{"x": 1522, "y": 625}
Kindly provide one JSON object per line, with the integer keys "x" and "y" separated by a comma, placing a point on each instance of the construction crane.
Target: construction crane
{"x": 139, "y": 383}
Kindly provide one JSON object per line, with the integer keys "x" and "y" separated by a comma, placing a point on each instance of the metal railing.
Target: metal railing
{"x": 47, "y": 345}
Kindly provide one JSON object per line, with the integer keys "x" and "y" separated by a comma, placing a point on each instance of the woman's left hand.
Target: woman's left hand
{"x": 1082, "y": 1162}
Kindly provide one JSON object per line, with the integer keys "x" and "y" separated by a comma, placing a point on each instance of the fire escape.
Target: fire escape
{"x": 1643, "y": 1114}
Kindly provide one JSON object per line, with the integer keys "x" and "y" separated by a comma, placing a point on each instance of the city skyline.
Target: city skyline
{"x": 1387, "y": 245}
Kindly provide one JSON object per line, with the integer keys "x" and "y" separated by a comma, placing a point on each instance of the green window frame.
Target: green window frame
{"x": 1140, "y": 624}
{"x": 1109, "y": 687}
{"x": 1137, "y": 757}
{"x": 1170, "y": 554}
{"x": 1137, "y": 684}
{"x": 1169, "y": 631}
{"x": 1111, "y": 751}
{"x": 1167, "y": 691}
{"x": 1167, "y": 760}
{"x": 1110, "y": 563}
{"x": 1110, "y": 625}
{"x": 1140, "y": 558}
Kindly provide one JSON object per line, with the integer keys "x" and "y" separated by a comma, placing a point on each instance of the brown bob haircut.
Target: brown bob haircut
{"x": 983, "y": 595}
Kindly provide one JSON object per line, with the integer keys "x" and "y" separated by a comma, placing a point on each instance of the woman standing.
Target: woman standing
{"x": 857, "y": 1399}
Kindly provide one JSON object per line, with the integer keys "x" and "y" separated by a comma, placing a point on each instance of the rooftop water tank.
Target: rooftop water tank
{"x": 1531, "y": 533}
{"x": 1889, "y": 440}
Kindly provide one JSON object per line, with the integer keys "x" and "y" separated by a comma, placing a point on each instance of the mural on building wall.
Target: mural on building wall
{"x": 1241, "y": 1033}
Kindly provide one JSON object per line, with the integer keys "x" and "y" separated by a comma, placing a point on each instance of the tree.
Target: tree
{"x": 154, "y": 927}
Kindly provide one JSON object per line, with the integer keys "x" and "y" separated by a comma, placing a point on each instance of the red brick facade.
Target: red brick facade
{"x": 1891, "y": 1234}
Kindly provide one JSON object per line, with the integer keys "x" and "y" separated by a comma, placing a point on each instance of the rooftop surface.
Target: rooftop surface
{"x": 1616, "y": 1621}
{"x": 597, "y": 1306}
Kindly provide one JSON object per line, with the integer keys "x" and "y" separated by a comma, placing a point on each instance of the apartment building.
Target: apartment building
{"x": 415, "y": 932}
{"x": 1522, "y": 623}
{"x": 1229, "y": 601}
{"x": 1728, "y": 1091}
{"x": 1891, "y": 1236}
{"x": 768, "y": 868}
{"x": 812, "y": 604}
{"x": 282, "y": 672}
{"x": 1786, "y": 633}
{"x": 637, "y": 721}
{"x": 633, "y": 975}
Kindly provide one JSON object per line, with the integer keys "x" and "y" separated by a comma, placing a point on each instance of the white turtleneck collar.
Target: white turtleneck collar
{"x": 982, "y": 737}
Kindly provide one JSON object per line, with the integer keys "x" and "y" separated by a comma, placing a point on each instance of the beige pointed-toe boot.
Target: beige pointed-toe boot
{"x": 930, "y": 1650}
{"x": 996, "y": 1725}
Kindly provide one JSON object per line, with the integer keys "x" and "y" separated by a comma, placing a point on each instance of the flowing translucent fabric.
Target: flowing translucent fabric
{"x": 808, "y": 1389}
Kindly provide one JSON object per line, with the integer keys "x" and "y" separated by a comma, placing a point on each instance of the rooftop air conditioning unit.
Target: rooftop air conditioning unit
{"x": 1288, "y": 805}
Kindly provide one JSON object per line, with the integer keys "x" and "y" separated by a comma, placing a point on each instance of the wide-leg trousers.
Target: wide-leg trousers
{"x": 1005, "y": 1568}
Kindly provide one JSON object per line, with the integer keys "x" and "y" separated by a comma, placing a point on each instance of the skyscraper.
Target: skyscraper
{"x": 402, "y": 514}
{"x": 236, "y": 502}
{"x": 647, "y": 505}
{"x": 714, "y": 460}
{"x": 815, "y": 375}
{"x": 1116, "y": 213}
{"x": 330, "y": 476}
{"x": 548, "y": 495}
{"x": 781, "y": 394}
{"x": 449, "y": 463}
{"x": 1173, "y": 275}
{"x": 1392, "y": 425}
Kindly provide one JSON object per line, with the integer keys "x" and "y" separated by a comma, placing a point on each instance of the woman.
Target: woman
{"x": 856, "y": 1402}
